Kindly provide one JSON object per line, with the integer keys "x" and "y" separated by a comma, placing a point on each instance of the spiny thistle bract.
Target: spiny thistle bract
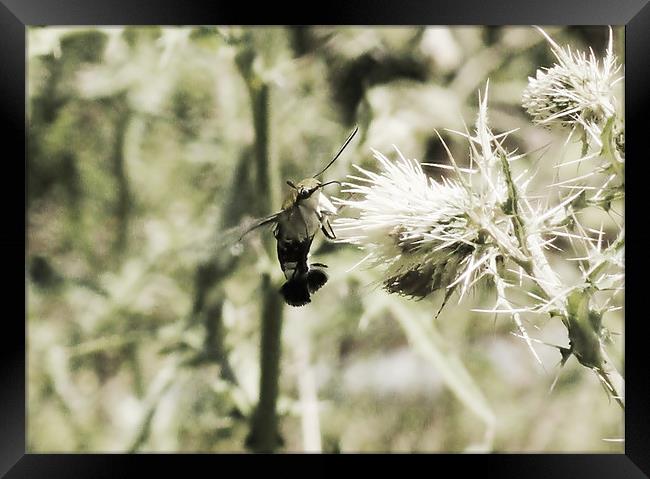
{"x": 577, "y": 90}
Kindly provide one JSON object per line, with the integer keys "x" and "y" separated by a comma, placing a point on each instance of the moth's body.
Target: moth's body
{"x": 304, "y": 212}
{"x": 300, "y": 218}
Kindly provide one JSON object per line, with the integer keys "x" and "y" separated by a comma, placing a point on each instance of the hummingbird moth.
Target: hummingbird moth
{"x": 305, "y": 210}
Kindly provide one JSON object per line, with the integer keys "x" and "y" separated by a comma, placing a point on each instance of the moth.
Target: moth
{"x": 305, "y": 210}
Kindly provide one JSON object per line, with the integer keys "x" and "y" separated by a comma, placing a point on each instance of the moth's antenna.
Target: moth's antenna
{"x": 290, "y": 183}
{"x": 356, "y": 128}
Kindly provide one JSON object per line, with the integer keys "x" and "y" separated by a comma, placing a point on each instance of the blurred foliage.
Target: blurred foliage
{"x": 143, "y": 321}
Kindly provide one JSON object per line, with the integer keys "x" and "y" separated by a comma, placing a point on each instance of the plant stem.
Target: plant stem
{"x": 123, "y": 200}
{"x": 311, "y": 431}
{"x": 609, "y": 150}
{"x": 573, "y": 306}
{"x": 159, "y": 386}
{"x": 264, "y": 435}
{"x": 612, "y": 379}
{"x": 260, "y": 100}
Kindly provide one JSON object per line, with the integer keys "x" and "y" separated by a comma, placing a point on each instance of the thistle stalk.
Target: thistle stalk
{"x": 578, "y": 91}
{"x": 574, "y": 309}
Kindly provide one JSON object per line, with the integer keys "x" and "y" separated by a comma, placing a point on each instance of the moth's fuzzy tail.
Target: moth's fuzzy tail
{"x": 316, "y": 279}
{"x": 296, "y": 292}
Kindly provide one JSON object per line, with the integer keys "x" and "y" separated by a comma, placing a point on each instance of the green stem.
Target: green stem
{"x": 610, "y": 151}
{"x": 260, "y": 99}
{"x": 583, "y": 335}
{"x": 159, "y": 386}
{"x": 585, "y": 145}
{"x": 123, "y": 200}
{"x": 264, "y": 435}
{"x": 613, "y": 380}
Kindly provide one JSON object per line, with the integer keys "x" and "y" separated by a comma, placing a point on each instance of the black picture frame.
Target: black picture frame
{"x": 15, "y": 15}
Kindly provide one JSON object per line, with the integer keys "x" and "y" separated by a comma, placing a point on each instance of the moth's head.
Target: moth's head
{"x": 305, "y": 188}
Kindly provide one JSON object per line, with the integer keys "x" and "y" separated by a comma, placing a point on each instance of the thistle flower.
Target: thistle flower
{"x": 416, "y": 227}
{"x": 426, "y": 234}
{"x": 577, "y": 90}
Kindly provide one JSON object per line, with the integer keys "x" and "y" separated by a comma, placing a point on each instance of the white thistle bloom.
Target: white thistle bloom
{"x": 577, "y": 90}
{"x": 416, "y": 227}
{"x": 425, "y": 234}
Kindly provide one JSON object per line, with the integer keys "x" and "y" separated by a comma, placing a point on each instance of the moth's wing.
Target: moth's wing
{"x": 236, "y": 234}
{"x": 259, "y": 223}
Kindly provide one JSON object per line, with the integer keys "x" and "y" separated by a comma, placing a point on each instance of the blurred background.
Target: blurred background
{"x": 146, "y": 144}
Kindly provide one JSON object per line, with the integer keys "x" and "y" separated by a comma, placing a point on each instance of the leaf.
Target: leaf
{"x": 428, "y": 343}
